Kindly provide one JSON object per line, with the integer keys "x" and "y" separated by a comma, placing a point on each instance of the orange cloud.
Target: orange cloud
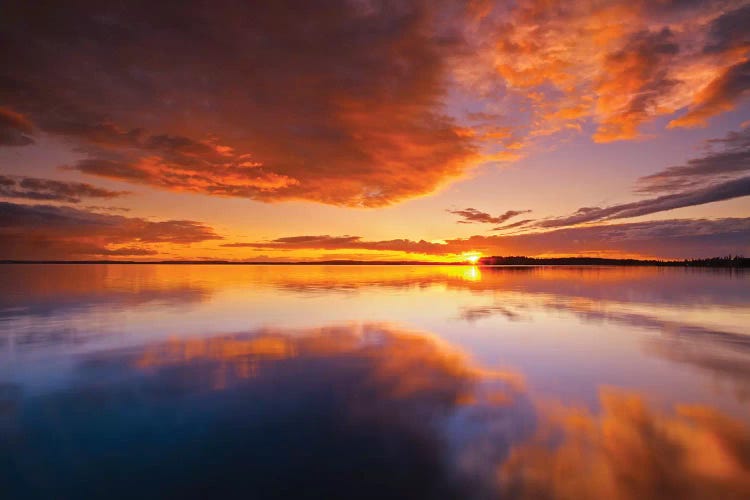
{"x": 633, "y": 81}
{"x": 620, "y": 64}
{"x": 355, "y": 104}
{"x": 340, "y": 105}
{"x": 722, "y": 94}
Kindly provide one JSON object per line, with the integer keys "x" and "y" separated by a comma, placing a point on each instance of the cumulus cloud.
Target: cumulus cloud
{"x": 679, "y": 238}
{"x": 620, "y": 64}
{"x": 471, "y": 215}
{"x": 634, "y": 80}
{"x": 32, "y": 188}
{"x": 339, "y": 102}
{"x": 52, "y": 232}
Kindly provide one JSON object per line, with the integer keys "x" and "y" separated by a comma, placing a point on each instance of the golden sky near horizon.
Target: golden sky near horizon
{"x": 377, "y": 130}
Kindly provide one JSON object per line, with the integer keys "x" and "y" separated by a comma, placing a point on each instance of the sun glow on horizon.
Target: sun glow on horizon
{"x": 472, "y": 257}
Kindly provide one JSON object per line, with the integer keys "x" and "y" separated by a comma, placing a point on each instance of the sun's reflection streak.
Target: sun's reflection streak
{"x": 472, "y": 273}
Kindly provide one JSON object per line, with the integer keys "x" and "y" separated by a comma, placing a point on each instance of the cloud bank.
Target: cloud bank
{"x": 679, "y": 238}
{"x": 30, "y": 232}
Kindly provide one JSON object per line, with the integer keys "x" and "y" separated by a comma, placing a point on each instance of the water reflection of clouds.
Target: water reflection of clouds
{"x": 353, "y": 411}
{"x": 724, "y": 354}
{"x": 647, "y": 285}
{"x": 47, "y": 293}
{"x": 47, "y": 305}
{"x": 350, "y": 411}
{"x": 630, "y": 450}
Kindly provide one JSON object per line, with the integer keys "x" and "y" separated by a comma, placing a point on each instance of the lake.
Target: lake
{"x": 220, "y": 381}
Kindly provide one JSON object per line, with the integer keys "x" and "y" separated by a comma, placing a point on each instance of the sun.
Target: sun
{"x": 472, "y": 257}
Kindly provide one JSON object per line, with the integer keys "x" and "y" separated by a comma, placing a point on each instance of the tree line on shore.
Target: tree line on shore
{"x": 733, "y": 261}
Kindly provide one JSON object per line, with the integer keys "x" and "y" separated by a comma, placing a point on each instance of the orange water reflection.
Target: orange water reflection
{"x": 630, "y": 450}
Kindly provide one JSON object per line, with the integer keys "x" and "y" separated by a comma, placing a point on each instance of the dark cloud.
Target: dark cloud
{"x": 733, "y": 159}
{"x": 719, "y": 192}
{"x": 15, "y": 130}
{"x": 50, "y": 232}
{"x": 679, "y": 238}
{"x": 100, "y": 208}
{"x": 718, "y": 175}
{"x": 729, "y": 31}
{"x": 31, "y": 188}
{"x": 514, "y": 225}
{"x": 327, "y": 242}
{"x": 335, "y": 101}
{"x": 470, "y": 215}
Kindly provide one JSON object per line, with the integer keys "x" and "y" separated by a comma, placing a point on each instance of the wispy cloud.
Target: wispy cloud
{"x": 15, "y": 129}
{"x": 514, "y": 225}
{"x": 32, "y": 188}
{"x": 715, "y": 176}
{"x": 730, "y": 161}
{"x": 719, "y": 192}
{"x": 471, "y": 215}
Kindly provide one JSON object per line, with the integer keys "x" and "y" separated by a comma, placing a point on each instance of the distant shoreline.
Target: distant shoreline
{"x": 717, "y": 262}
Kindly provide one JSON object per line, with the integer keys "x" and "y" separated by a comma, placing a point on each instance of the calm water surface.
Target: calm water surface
{"x": 178, "y": 381}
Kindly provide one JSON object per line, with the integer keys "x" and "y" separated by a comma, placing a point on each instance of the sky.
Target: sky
{"x": 374, "y": 130}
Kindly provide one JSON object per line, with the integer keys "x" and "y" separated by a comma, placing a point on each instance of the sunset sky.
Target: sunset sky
{"x": 380, "y": 130}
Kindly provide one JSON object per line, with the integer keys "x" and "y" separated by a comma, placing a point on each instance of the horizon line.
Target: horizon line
{"x": 484, "y": 261}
